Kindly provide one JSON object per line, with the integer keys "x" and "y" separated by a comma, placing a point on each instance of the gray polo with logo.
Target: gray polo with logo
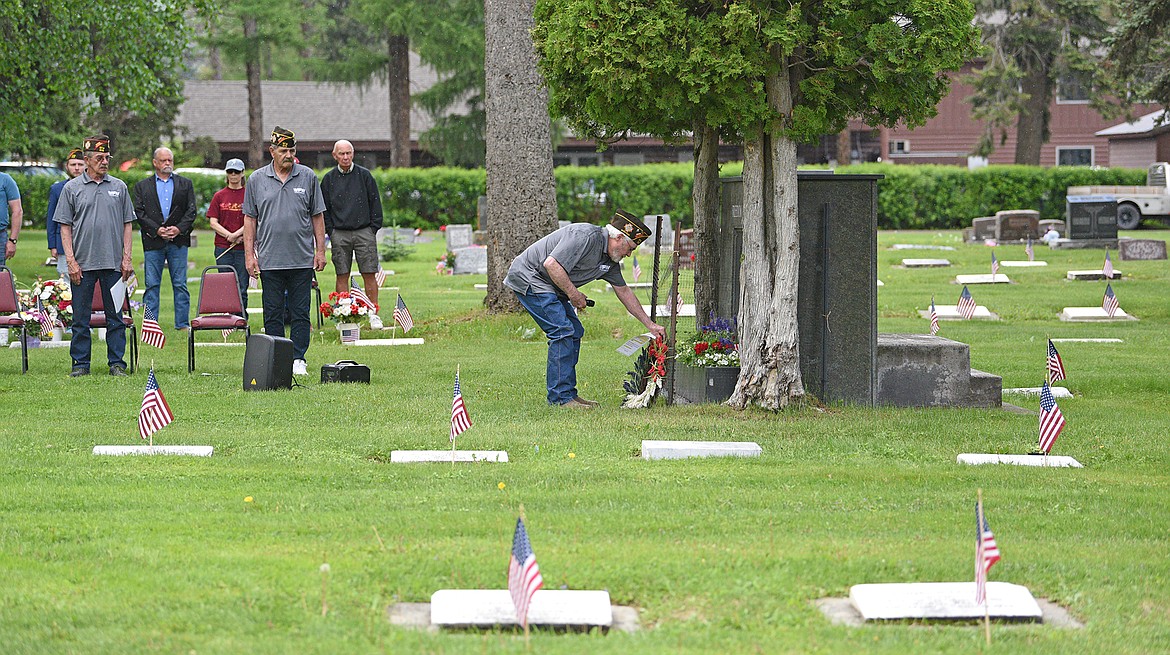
{"x": 98, "y": 212}
{"x": 579, "y": 248}
{"x": 284, "y": 214}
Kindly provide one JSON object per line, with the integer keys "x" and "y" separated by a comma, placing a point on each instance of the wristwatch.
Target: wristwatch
{"x": 12, "y": 240}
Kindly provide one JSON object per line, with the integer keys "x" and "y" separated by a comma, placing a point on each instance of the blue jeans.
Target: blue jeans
{"x": 297, "y": 282}
{"x": 557, "y": 317}
{"x": 80, "y": 345}
{"x": 234, "y": 257}
{"x": 176, "y": 259}
{"x": 4, "y": 245}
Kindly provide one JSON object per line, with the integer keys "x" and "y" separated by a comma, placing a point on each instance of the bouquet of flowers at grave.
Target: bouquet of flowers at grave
{"x": 56, "y": 297}
{"x": 344, "y": 308}
{"x": 714, "y": 345}
{"x": 32, "y": 318}
{"x": 647, "y": 377}
{"x": 446, "y": 265}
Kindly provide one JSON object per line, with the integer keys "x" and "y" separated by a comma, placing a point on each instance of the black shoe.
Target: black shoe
{"x": 118, "y": 372}
{"x": 78, "y": 371}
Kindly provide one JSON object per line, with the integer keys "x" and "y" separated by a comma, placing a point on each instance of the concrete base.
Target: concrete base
{"x": 998, "y": 278}
{"x": 841, "y": 611}
{"x": 1093, "y": 314}
{"x": 1092, "y": 275}
{"x": 1057, "y": 392}
{"x": 918, "y": 370}
{"x": 416, "y": 456}
{"x": 388, "y": 342}
{"x": 550, "y": 608}
{"x": 196, "y": 451}
{"x": 1049, "y": 461}
{"x": 951, "y": 313}
{"x": 652, "y": 449}
{"x": 946, "y": 601}
{"x": 1083, "y": 244}
{"x": 41, "y": 344}
{"x": 926, "y": 263}
{"x": 1022, "y": 264}
{"x": 418, "y": 616}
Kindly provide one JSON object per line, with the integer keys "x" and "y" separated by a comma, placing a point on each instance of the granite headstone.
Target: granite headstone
{"x": 471, "y": 261}
{"x": 1141, "y": 249}
{"x": 458, "y": 236}
{"x": 1017, "y": 225}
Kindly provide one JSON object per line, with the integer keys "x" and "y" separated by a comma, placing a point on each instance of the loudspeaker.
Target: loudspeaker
{"x": 267, "y": 363}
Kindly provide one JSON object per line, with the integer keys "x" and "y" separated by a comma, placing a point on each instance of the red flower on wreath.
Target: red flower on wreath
{"x": 701, "y": 347}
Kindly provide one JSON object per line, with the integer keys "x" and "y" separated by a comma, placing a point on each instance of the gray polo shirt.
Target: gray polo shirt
{"x": 579, "y": 248}
{"x": 284, "y": 214}
{"x": 98, "y": 212}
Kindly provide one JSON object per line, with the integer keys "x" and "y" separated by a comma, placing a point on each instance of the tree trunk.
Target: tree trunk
{"x": 705, "y": 200}
{"x": 769, "y": 346}
{"x": 844, "y": 147}
{"x": 398, "y": 83}
{"x": 255, "y": 103}
{"x": 1032, "y": 125}
{"x": 521, "y": 189}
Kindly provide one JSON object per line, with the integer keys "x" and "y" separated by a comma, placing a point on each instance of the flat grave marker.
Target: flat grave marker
{"x": 411, "y": 341}
{"x": 1012, "y": 263}
{"x": 1092, "y": 275}
{"x": 195, "y": 451}
{"x": 1141, "y": 249}
{"x": 998, "y": 278}
{"x": 1057, "y": 392}
{"x": 953, "y": 601}
{"x": 1093, "y": 314}
{"x": 915, "y": 246}
{"x": 1088, "y": 341}
{"x": 550, "y": 608}
{"x": 421, "y": 456}
{"x": 925, "y": 263}
{"x": 1048, "y": 461}
{"x": 656, "y": 449}
{"x": 951, "y": 313}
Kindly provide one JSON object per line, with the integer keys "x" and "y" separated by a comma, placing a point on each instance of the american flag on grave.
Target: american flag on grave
{"x": 933, "y": 318}
{"x": 986, "y": 553}
{"x": 151, "y": 332}
{"x": 380, "y": 276}
{"x": 994, "y": 264}
{"x": 47, "y": 322}
{"x": 1051, "y": 420}
{"x": 402, "y": 315}
{"x": 636, "y": 271}
{"x": 1028, "y": 249}
{"x": 1107, "y": 268}
{"x": 966, "y": 304}
{"x": 1055, "y": 363}
{"x": 460, "y": 419}
{"x": 154, "y": 414}
{"x": 1109, "y": 302}
{"x": 357, "y": 294}
{"x": 524, "y": 578}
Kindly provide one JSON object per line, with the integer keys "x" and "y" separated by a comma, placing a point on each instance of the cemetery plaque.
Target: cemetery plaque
{"x": 983, "y": 228}
{"x": 1017, "y": 225}
{"x": 458, "y": 236}
{"x": 550, "y": 608}
{"x": 1141, "y": 249}
{"x": 471, "y": 261}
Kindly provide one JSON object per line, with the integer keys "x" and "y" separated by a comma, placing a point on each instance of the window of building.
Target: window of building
{"x": 1072, "y": 89}
{"x": 1074, "y": 156}
{"x": 899, "y": 147}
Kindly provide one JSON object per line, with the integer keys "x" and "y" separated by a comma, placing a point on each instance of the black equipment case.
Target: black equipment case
{"x": 345, "y": 370}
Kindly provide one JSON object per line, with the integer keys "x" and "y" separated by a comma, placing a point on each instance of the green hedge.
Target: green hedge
{"x": 909, "y": 197}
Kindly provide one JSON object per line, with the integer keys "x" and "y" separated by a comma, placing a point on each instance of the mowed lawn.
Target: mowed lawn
{"x": 167, "y": 555}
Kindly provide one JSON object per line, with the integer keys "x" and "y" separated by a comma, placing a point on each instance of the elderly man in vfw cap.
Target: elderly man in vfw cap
{"x": 74, "y": 165}
{"x": 547, "y": 277}
{"x": 97, "y": 227}
{"x": 284, "y": 240}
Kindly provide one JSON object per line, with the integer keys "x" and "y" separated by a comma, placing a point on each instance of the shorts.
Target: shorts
{"x": 354, "y": 244}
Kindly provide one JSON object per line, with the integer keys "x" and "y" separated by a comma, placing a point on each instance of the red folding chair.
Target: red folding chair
{"x": 219, "y": 307}
{"x": 10, "y": 313}
{"x": 97, "y": 319}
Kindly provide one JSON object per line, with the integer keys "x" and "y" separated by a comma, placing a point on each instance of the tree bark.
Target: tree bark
{"x": 521, "y": 189}
{"x": 398, "y": 84}
{"x": 705, "y": 201}
{"x": 844, "y": 147}
{"x": 769, "y": 346}
{"x": 255, "y": 103}
{"x": 1032, "y": 125}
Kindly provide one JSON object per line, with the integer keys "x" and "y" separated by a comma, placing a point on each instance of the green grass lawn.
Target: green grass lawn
{"x": 163, "y": 554}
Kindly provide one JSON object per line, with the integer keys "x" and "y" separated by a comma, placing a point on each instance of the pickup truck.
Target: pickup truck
{"x": 1136, "y": 202}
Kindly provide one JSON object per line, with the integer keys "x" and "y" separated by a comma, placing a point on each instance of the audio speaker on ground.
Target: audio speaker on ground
{"x": 268, "y": 363}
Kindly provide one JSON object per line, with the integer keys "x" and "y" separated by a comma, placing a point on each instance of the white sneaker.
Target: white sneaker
{"x": 375, "y": 322}
{"x": 299, "y": 367}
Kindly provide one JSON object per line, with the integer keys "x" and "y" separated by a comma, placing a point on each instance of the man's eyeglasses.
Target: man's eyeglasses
{"x": 100, "y": 157}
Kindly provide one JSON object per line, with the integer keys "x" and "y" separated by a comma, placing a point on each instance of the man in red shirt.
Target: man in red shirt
{"x": 227, "y": 220}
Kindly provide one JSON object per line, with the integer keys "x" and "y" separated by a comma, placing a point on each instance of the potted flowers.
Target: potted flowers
{"x": 348, "y": 312}
{"x": 707, "y": 365}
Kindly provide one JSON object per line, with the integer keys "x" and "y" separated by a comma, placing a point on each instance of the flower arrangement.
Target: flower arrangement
{"x": 714, "y": 345}
{"x": 344, "y": 308}
{"x": 446, "y": 264}
{"x": 57, "y": 298}
{"x": 647, "y": 377}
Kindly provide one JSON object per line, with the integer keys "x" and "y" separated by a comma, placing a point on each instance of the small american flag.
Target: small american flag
{"x": 637, "y": 270}
{"x": 1051, "y": 420}
{"x": 933, "y": 318}
{"x": 966, "y": 304}
{"x": 1109, "y": 302}
{"x": 1107, "y": 269}
{"x": 986, "y": 553}
{"x": 155, "y": 413}
{"x": 227, "y": 332}
{"x": 357, "y": 294}
{"x": 151, "y": 332}
{"x": 523, "y": 573}
{"x": 380, "y": 276}
{"x": 1028, "y": 249}
{"x": 994, "y": 264}
{"x": 47, "y": 322}
{"x": 402, "y": 315}
{"x": 1055, "y": 364}
{"x": 131, "y": 284}
{"x": 460, "y": 420}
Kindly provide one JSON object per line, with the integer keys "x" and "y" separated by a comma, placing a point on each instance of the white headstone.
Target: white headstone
{"x": 942, "y": 601}
{"x": 667, "y": 231}
{"x": 471, "y": 261}
{"x": 1057, "y": 392}
{"x": 554, "y": 608}
{"x": 1049, "y": 461}
{"x": 458, "y": 236}
{"x": 998, "y": 278}
{"x": 417, "y": 456}
{"x": 652, "y": 449}
{"x": 951, "y": 313}
{"x": 915, "y": 246}
{"x": 1022, "y": 264}
{"x": 925, "y": 263}
{"x": 196, "y": 451}
{"x": 1091, "y": 275}
{"x": 1095, "y": 314}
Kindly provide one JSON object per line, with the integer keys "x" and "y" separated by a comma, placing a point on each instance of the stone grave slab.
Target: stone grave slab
{"x": 418, "y": 456}
{"x": 954, "y": 601}
{"x": 552, "y": 608}
{"x": 388, "y": 342}
{"x": 1083, "y": 244}
{"x": 951, "y": 313}
{"x": 195, "y": 451}
{"x": 1049, "y": 461}
{"x": 916, "y": 246}
{"x": 1088, "y": 341}
{"x": 480, "y": 287}
{"x": 654, "y": 449}
{"x": 221, "y": 343}
{"x": 471, "y": 261}
{"x": 998, "y": 278}
{"x": 1092, "y": 275}
{"x": 1022, "y": 264}
{"x": 386, "y": 235}
{"x": 1095, "y": 314}
{"x": 1017, "y": 225}
{"x": 685, "y": 310}
{"x": 1141, "y": 249}
{"x": 1057, "y": 392}
{"x": 925, "y": 263}
{"x": 41, "y": 344}
{"x": 983, "y": 228}
{"x": 458, "y": 236}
